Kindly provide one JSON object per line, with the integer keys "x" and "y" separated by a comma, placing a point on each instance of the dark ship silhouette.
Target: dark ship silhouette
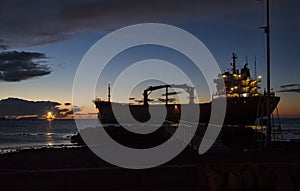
{"x": 245, "y": 105}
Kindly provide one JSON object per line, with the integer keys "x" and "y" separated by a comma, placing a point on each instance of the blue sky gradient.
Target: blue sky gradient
{"x": 65, "y": 30}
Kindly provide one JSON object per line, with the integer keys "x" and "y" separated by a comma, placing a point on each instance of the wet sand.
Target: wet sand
{"x": 79, "y": 168}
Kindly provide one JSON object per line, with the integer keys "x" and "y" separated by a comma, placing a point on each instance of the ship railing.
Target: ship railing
{"x": 185, "y": 136}
{"x": 216, "y": 96}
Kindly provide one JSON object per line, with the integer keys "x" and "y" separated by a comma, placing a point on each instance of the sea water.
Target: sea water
{"x": 31, "y": 134}
{"x": 290, "y": 128}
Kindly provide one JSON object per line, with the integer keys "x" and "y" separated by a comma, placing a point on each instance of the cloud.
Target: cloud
{"x": 67, "y": 104}
{"x": 290, "y": 85}
{"x": 15, "y": 107}
{"x": 17, "y": 66}
{"x": 290, "y": 88}
{"x": 20, "y": 107}
{"x": 73, "y": 110}
{"x": 31, "y": 22}
{"x": 3, "y": 46}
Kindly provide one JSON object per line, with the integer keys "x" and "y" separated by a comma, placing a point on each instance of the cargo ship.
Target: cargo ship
{"x": 245, "y": 104}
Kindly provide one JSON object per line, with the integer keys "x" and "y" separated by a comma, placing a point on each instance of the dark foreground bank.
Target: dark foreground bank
{"x": 80, "y": 169}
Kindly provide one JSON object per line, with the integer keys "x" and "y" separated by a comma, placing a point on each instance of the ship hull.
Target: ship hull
{"x": 239, "y": 111}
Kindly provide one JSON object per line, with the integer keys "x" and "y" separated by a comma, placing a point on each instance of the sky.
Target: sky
{"x": 43, "y": 42}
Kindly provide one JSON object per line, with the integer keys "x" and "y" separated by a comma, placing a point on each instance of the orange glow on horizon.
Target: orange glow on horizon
{"x": 289, "y": 106}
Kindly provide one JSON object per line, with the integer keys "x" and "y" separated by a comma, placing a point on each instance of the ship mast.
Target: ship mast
{"x": 108, "y": 92}
{"x": 255, "y": 70}
{"x": 267, "y": 31}
{"x": 233, "y": 64}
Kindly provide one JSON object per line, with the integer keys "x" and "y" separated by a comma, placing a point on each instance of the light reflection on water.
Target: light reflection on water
{"x": 31, "y": 134}
{"x": 49, "y": 134}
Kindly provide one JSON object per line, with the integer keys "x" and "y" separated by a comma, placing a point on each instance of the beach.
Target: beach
{"x": 79, "y": 168}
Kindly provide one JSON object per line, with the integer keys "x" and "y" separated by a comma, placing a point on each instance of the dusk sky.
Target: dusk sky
{"x": 43, "y": 42}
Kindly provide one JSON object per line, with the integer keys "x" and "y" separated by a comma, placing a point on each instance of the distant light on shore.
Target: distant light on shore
{"x": 50, "y": 116}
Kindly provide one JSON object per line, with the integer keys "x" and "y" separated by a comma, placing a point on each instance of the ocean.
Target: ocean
{"x": 290, "y": 128}
{"x": 34, "y": 134}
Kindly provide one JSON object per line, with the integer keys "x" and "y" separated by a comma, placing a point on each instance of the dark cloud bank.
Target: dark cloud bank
{"x": 18, "y": 107}
{"x": 17, "y": 66}
{"x": 31, "y": 22}
{"x": 290, "y": 88}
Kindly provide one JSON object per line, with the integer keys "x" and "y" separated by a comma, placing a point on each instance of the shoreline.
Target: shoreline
{"x": 36, "y": 147}
{"x": 63, "y": 157}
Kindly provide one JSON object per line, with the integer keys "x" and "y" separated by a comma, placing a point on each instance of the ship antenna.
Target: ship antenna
{"x": 255, "y": 70}
{"x": 108, "y": 92}
{"x": 233, "y": 64}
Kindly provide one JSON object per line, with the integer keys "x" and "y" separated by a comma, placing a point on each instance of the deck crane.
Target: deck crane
{"x": 188, "y": 89}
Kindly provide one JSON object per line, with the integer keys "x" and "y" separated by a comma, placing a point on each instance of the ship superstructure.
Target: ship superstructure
{"x": 238, "y": 83}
